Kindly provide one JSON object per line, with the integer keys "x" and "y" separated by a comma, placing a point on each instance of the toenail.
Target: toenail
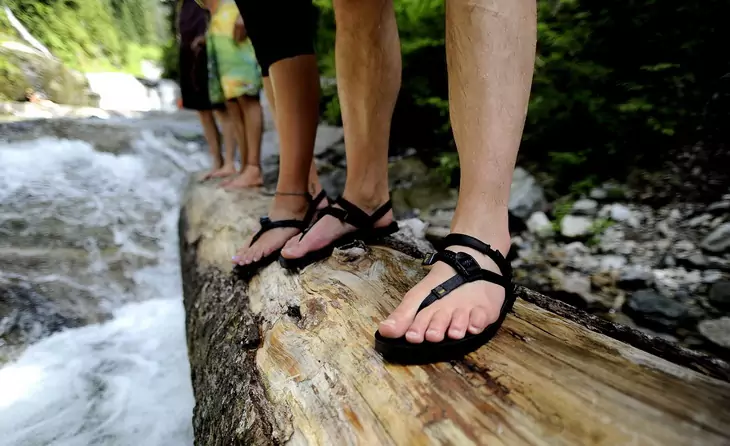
{"x": 236, "y": 258}
{"x": 388, "y": 322}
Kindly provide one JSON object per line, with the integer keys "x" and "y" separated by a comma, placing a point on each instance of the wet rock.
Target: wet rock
{"x": 585, "y": 206}
{"x": 620, "y": 213}
{"x": 716, "y": 331}
{"x": 540, "y": 225}
{"x": 720, "y": 294}
{"x": 526, "y": 195}
{"x": 656, "y": 310}
{"x": 574, "y": 226}
{"x": 718, "y": 240}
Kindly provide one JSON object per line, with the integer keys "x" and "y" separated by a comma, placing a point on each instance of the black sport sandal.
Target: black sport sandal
{"x": 246, "y": 272}
{"x": 365, "y": 231}
{"x": 467, "y": 270}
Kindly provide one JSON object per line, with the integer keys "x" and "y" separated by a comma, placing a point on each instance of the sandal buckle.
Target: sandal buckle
{"x": 467, "y": 266}
{"x": 429, "y": 259}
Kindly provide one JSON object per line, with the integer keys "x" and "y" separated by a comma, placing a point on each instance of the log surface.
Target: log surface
{"x": 288, "y": 359}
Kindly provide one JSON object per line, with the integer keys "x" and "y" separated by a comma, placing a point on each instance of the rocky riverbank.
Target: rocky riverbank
{"x": 662, "y": 269}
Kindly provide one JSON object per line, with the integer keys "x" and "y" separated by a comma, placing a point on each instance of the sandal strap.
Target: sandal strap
{"x": 313, "y": 204}
{"x": 467, "y": 270}
{"x": 470, "y": 242}
{"x": 268, "y": 225}
{"x": 355, "y": 216}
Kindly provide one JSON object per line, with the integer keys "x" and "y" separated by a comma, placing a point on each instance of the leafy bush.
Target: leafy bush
{"x": 94, "y": 34}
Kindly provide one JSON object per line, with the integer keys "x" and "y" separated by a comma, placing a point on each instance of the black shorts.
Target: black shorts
{"x": 279, "y": 29}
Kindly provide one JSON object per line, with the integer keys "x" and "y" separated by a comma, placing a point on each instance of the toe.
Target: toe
{"x": 478, "y": 320}
{"x": 400, "y": 319}
{"x": 439, "y": 324}
{"x": 416, "y": 332}
{"x": 459, "y": 323}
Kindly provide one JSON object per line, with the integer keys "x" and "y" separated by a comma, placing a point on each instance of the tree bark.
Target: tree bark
{"x": 288, "y": 359}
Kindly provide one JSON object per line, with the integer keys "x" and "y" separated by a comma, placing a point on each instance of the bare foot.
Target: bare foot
{"x": 325, "y": 231}
{"x": 282, "y": 208}
{"x": 470, "y": 308}
{"x": 219, "y": 172}
{"x": 250, "y": 177}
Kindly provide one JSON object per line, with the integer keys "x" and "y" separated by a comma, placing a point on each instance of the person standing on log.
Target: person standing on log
{"x": 235, "y": 79}
{"x": 490, "y": 48}
{"x": 282, "y": 34}
{"x": 192, "y": 23}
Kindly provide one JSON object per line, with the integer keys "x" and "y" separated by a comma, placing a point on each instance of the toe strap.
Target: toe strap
{"x": 267, "y": 225}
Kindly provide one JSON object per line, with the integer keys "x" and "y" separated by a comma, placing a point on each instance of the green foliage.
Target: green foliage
{"x": 597, "y": 228}
{"x": 94, "y": 34}
{"x": 612, "y": 82}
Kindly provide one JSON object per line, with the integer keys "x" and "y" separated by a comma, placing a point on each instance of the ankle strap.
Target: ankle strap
{"x": 357, "y": 217}
{"x": 478, "y": 245}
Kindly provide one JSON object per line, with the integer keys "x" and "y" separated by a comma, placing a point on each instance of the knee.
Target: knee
{"x": 352, "y": 10}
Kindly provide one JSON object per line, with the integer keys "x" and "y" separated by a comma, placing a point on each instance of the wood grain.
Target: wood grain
{"x": 288, "y": 359}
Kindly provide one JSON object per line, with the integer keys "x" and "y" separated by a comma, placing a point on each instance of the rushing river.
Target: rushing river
{"x": 92, "y": 339}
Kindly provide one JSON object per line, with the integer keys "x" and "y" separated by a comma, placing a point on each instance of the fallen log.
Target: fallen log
{"x": 288, "y": 359}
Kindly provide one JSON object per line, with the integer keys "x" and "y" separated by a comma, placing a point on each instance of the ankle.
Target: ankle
{"x": 367, "y": 199}
{"x": 489, "y": 230}
{"x": 289, "y": 205}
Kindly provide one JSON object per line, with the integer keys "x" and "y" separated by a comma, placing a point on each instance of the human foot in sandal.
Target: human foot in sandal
{"x": 456, "y": 308}
{"x": 289, "y": 215}
{"x": 337, "y": 225}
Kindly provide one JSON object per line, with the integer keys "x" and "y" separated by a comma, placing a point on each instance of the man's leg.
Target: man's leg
{"x": 238, "y": 124}
{"x": 229, "y": 142}
{"x": 210, "y": 131}
{"x": 253, "y": 119}
{"x": 368, "y": 78}
{"x": 490, "y": 47}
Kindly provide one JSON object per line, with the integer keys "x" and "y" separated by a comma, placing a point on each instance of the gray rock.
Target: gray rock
{"x": 573, "y": 226}
{"x": 526, "y": 196}
{"x": 717, "y": 222}
{"x": 575, "y": 288}
{"x": 655, "y": 310}
{"x": 598, "y": 193}
{"x": 720, "y": 206}
{"x": 634, "y": 277}
{"x": 675, "y": 214}
{"x": 697, "y": 260}
{"x": 664, "y": 229}
{"x": 413, "y": 231}
{"x": 585, "y": 206}
{"x": 620, "y": 213}
{"x": 612, "y": 262}
{"x": 718, "y": 240}
{"x": 540, "y": 225}
{"x": 716, "y": 331}
{"x": 327, "y": 137}
{"x": 711, "y": 276}
{"x": 720, "y": 294}
{"x": 699, "y": 220}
